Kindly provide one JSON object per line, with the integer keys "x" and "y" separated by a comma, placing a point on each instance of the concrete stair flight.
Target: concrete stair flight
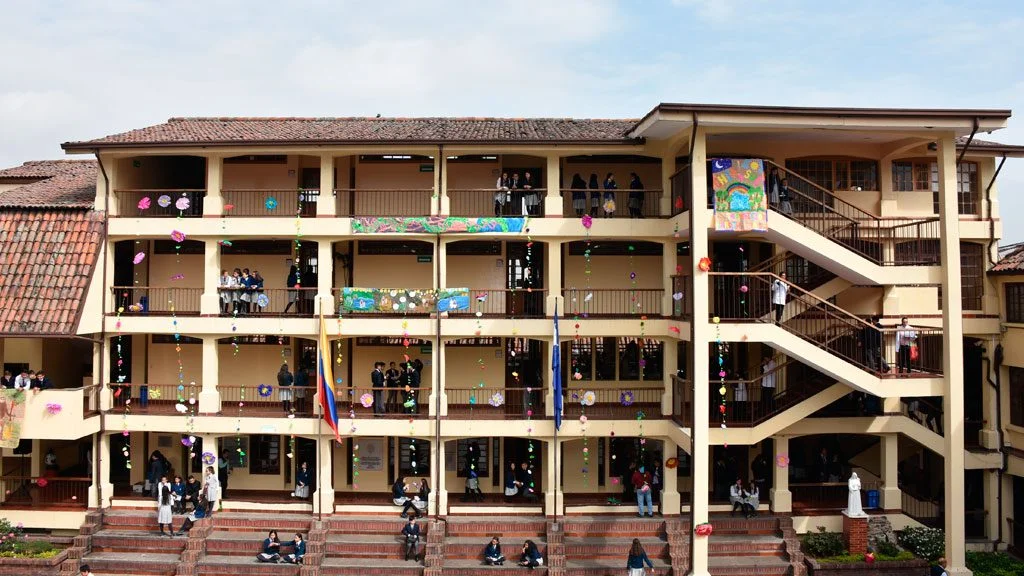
{"x": 129, "y": 542}
{"x": 371, "y": 545}
{"x": 466, "y": 538}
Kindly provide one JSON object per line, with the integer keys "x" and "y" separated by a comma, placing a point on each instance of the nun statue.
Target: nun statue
{"x": 853, "y": 505}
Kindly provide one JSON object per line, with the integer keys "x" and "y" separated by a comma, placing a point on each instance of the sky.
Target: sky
{"x": 77, "y": 70}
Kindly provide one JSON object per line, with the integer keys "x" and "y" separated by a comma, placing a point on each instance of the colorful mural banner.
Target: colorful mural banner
{"x": 12, "y": 414}
{"x": 403, "y": 300}
{"x": 740, "y": 202}
{"x": 435, "y": 225}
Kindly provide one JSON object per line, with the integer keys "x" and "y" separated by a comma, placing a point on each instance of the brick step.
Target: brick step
{"x": 505, "y": 528}
{"x": 136, "y": 564}
{"x": 748, "y": 566}
{"x": 746, "y": 545}
{"x": 616, "y": 567}
{"x": 235, "y": 565}
{"x": 632, "y": 527}
{"x": 132, "y": 541}
{"x": 283, "y": 523}
{"x": 240, "y": 543}
{"x": 472, "y": 548}
{"x": 370, "y": 566}
{"x": 370, "y": 525}
{"x": 467, "y": 567}
{"x": 367, "y": 546}
{"x": 604, "y": 548}
{"x": 132, "y": 520}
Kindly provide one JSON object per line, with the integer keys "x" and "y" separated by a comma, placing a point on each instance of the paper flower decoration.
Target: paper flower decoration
{"x": 626, "y": 398}
{"x": 262, "y": 301}
{"x": 225, "y": 243}
{"x": 264, "y": 390}
{"x": 782, "y": 461}
{"x": 587, "y": 221}
{"x": 410, "y": 403}
{"x": 181, "y": 408}
{"x": 155, "y": 394}
{"x": 704, "y": 264}
{"x": 188, "y": 441}
{"x": 209, "y": 459}
{"x": 678, "y": 203}
{"x": 640, "y": 416}
{"x": 42, "y": 482}
{"x": 54, "y": 408}
{"x": 229, "y": 206}
{"x": 704, "y": 529}
{"x": 163, "y": 201}
{"x": 472, "y": 400}
{"x": 496, "y": 399}
{"x": 577, "y": 376}
{"x": 139, "y": 258}
{"x": 178, "y": 236}
{"x": 144, "y": 203}
{"x": 178, "y": 277}
{"x": 182, "y": 203}
{"x": 744, "y": 289}
{"x": 583, "y": 420}
{"x": 677, "y": 296}
{"x": 366, "y": 400}
{"x": 588, "y": 398}
{"x": 270, "y": 203}
{"x": 672, "y": 463}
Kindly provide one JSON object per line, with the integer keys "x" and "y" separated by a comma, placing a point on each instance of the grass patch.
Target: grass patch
{"x": 855, "y": 558}
{"x": 994, "y": 564}
{"x": 34, "y": 549}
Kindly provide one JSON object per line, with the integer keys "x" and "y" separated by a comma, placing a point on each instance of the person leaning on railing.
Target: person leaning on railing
{"x": 906, "y": 340}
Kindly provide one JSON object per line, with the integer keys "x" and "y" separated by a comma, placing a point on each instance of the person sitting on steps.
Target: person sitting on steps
{"x": 492, "y": 553}
{"x": 411, "y": 532}
{"x": 271, "y": 548}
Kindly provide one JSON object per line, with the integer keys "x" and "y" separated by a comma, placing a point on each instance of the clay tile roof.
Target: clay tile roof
{"x": 227, "y": 131}
{"x": 47, "y": 258}
{"x": 50, "y": 184}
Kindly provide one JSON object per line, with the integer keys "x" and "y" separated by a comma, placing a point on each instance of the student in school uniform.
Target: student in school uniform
{"x": 298, "y": 550}
{"x": 246, "y": 284}
{"x": 227, "y": 286}
{"x": 271, "y": 548}
{"x": 579, "y": 194}
{"x": 178, "y": 487}
{"x": 257, "y": 291}
{"x": 595, "y": 195}
{"x": 608, "y": 198}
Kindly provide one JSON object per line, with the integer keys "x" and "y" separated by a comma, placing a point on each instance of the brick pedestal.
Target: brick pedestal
{"x": 855, "y": 533}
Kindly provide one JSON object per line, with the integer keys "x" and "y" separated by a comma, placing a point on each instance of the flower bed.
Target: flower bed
{"x": 29, "y": 566}
{"x": 853, "y": 565}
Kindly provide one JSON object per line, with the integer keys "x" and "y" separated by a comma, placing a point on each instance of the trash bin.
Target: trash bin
{"x": 872, "y": 499}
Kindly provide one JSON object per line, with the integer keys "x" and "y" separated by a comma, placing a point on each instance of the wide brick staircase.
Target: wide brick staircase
{"x": 599, "y": 545}
{"x": 230, "y": 541}
{"x": 357, "y": 545}
{"x": 762, "y": 546}
{"x": 129, "y": 542}
{"x": 464, "y": 543}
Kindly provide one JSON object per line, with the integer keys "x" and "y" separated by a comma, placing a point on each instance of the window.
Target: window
{"x": 1015, "y": 302}
{"x": 923, "y": 176}
{"x": 972, "y": 275}
{"x": 582, "y": 359}
{"x": 1016, "y": 396}
{"x": 604, "y": 358}
{"x": 630, "y": 359}
{"x": 265, "y": 454}
{"x": 967, "y": 188}
{"x": 412, "y": 450}
{"x": 480, "y": 463}
{"x": 838, "y": 174}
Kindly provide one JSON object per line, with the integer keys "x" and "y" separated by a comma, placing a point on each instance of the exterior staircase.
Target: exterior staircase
{"x": 129, "y": 542}
{"x": 374, "y": 545}
{"x": 466, "y": 537}
{"x": 233, "y": 540}
{"x": 765, "y": 546}
{"x": 597, "y": 546}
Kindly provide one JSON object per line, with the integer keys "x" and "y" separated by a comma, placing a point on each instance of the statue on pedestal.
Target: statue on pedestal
{"x": 853, "y": 504}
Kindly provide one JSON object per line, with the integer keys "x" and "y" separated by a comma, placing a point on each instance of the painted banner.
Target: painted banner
{"x": 740, "y": 201}
{"x": 12, "y": 415}
{"x": 402, "y": 300}
{"x": 435, "y": 225}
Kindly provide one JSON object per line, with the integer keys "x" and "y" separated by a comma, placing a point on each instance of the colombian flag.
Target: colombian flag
{"x": 326, "y": 379}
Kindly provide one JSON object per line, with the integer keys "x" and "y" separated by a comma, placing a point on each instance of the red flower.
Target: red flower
{"x": 704, "y": 264}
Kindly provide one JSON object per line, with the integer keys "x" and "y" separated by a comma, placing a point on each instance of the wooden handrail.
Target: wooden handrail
{"x": 831, "y": 194}
{"x": 155, "y": 190}
{"x": 821, "y": 301}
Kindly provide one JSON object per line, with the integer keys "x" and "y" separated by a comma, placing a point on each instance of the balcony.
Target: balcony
{"x": 272, "y": 302}
{"x": 159, "y": 203}
{"x": 384, "y": 202}
{"x": 613, "y": 302}
{"x": 29, "y": 492}
{"x": 270, "y": 203}
{"x": 483, "y": 202}
{"x": 155, "y": 301}
{"x": 61, "y": 413}
{"x": 644, "y": 203}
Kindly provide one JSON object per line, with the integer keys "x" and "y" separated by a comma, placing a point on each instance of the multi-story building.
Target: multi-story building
{"x": 672, "y": 353}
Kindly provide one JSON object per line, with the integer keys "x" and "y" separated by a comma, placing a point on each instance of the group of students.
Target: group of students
{"x": 605, "y": 201}
{"x": 240, "y": 291}
{"x": 26, "y": 380}
{"x": 411, "y": 505}
{"x": 291, "y": 389}
{"x": 531, "y": 557}
{"x": 745, "y": 498}
{"x": 272, "y": 549}
{"x": 402, "y": 382}
{"x": 174, "y": 497}
{"x": 513, "y": 195}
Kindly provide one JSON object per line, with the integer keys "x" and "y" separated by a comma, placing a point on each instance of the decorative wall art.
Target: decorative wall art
{"x": 740, "y": 201}
{"x": 435, "y": 225}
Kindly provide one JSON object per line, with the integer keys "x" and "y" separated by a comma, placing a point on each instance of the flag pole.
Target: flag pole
{"x": 320, "y": 425}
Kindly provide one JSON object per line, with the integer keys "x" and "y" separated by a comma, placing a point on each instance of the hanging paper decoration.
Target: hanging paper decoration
{"x": 587, "y": 221}
{"x": 262, "y": 301}
{"x": 155, "y": 394}
{"x": 139, "y": 258}
{"x": 163, "y": 201}
{"x": 782, "y": 460}
{"x": 626, "y": 398}
{"x": 178, "y": 236}
{"x": 209, "y": 458}
{"x": 672, "y": 463}
{"x": 188, "y": 441}
{"x": 264, "y": 390}
{"x": 722, "y": 350}
{"x": 496, "y": 399}
{"x": 238, "y": 426}
{"x": 588, "y": 398}
{"x": 366, "y": 400}
{"x": 54, "y": 408}
{"x": 177, "y": 277}
{"x": 144, "y": 203}
{"x": 704, "y": 264}
{"x": 270, "y": 203}
{"x": 182, "y": 203}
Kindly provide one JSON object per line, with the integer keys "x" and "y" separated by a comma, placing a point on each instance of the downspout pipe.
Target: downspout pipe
{"x": 99, "y": 459}
{"x": 995, "y": 366}
{"x": 991, "y": 220}
{"x": 974, "y": 130}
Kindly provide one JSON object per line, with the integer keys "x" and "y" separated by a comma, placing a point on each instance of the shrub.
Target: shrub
{"x": 822, "y": 544}
{"x": 886, "y": 548}
{"x": 994, "y": 564}
{"x": 10, "y": 535}
{"x": 927, "y": 543}
{"x": 855, "y": 558}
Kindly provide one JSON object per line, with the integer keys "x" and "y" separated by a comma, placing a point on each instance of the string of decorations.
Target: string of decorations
{"x": 355, "y": 445}
{"x": 587, "y": 399}
{"x": 481, "y": 298}
{"x": 722, "y": 349}
{"x": 529, "y": 389}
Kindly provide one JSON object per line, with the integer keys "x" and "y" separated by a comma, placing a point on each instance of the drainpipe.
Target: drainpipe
{"x": 98, "y": 458}
{"x": 974, "y": 130}
{"x": 988, "y": 200}
{"x": 995, "y": 365}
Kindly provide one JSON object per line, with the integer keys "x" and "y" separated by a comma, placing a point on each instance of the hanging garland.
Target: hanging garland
{"x": 355, "y": 445}
{"x": 238, "y": 428}
{"x": 722, "y": 350}
{"x": 121, "y": 377}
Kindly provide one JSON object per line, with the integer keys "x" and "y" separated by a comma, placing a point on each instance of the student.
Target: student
{"x": 751, "y": 500}
{"x": 165, "y": 503}
{"x": 7, "y": 381}
{"x": 236, "y": 291}
{"x": 417, "y": 505}
{"x": 579, "y": 194}
{"x": 377, "y": 384}
{"x": 532, "y": 197}
{"x": 24, "y": 380}
{"x": 637, "y": 558}
{"x": 293, "y": 284}
{"x": 226, "y": 286}
{"x": 773, "y": 186}
{"x": 768, "y": 376}
{"x": 211, "y": 490}
{"x": 595, "y": 195}
{"x": 531, "y": 555}
{"x": 785, "y": 206}
{"x": 502, "y": 194}
{"x": 85, "y": 571}
{"x": 517, "y": 204}
{"x": 492, "y": 553}
{"x": 608, "y": 198}
{"x": 298, "y": 550}
{"x": 246, "y": 284}
{"x": 780, "y": 290}
{"x": 398, "y": 495}
{"x": 394, "y": 382}
{"x": 642, "y": 487}
{"x": 155, "y": 471}
{"x": 190, "y": 520}
{"x": 939, "y": 569}
{"x": 302, "y": 481}
{"x": 523, "y": 479}
{"x": 636, "y": 196}
{"x": 223, "y": 472}
{"x": 271, "y": 548}
{"x": 301, "y": 383}
{"x": 473, "y": 492}
{"x": 511, "y": 482}
{"x": 906, "y": 337}
{"x": 50, "y": 460}
{"x": 191, "y": 493}
{"x": 42, "y": 382}
{"x": 257, "y": 291}
{"x": 284, "y": 388}
{"x": 736, "y": 495}
{"x": 411, "y": 531}
{"x": 178, "y": 487}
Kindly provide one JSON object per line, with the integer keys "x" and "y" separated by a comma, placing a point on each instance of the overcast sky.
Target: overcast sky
{"x": 84, "y": 69}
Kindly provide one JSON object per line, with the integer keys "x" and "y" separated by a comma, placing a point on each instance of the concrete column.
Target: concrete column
{"x": 670, "y": 353}
{"x": 325, "y": 276}
{"x": 209, "y": 302}
{"x": 209, "y": 396}
{"x": 994, "y": 516}
{"x": 209, "y": 445}
{"x": 323, "y": 496}
{"x": 436, "y": 353}
{"x": 106, "y": 395}
{"x": 670, "y": 500}
{"x": 102, "y": 202}
{"x": 102, "y": 489}
{"x": 548, "y": 386}
{"x": 703, "y": 333}
{"x": 441, "y": 258}
{"x": 438, "y": 502}
{"x": 554, "y": 498}
{"x": 668, "y": 168}
{"x": 440, "y": 204}
{"x": 888, "y": 205}
{"x": 952, "y": 358}
{"x": 325, "y": 204}
{"x": 892, "y": 497}
{"x": 782, "y": 498}
{"x": 553, "y": 278}
{"x": 553, "y": 183}
{"x": 668, "y": 269}
{"x": 108, "y": 282}
{"x": 213, "y": 204}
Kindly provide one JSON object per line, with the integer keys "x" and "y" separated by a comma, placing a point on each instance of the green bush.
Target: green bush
{"x": 927, "y": 543}
{"x": 10, "y": 535}
{"x": 994, "y": 564}
{"x": 886, "y": 548}
{"x": 822, "y": 544}
{"x": 855, "y": 558}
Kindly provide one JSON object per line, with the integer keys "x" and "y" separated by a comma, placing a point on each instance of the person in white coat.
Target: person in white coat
{"x": 165, "y": 501}
{"x": 780, "y": 290}
{"x": 211, "y": 489}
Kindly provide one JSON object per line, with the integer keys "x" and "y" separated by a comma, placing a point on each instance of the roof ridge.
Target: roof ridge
{"x": 391, "y": 119}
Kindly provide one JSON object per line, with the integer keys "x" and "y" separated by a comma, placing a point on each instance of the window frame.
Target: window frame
{"x": 258, "y": 443}
{"x": 842, "y": 172}
{"x": 423, "y": 461}
{"x": 1014, "y": 313}
{"x": 1016, "y": 396}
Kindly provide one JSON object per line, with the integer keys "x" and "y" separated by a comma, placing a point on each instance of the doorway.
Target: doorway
{"x": 524, "y": 384}
{"x": 525, "y": 276}
{"x": 518, "y": 450}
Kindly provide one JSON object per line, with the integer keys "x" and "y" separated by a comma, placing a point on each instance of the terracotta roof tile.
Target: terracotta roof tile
{"x": 1011, "y": 262}
{"x": 51, "y": 184}
{"x": 40, "y": 295}
{"x": 384, "y": 130}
